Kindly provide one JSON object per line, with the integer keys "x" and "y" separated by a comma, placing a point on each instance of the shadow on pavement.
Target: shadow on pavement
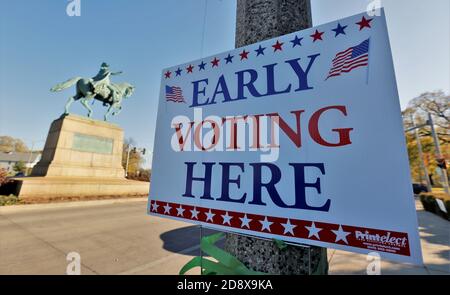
{"x": 186, "y": 240}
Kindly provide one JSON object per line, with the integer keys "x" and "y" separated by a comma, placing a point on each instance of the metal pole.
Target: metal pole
{"x": 128, "y": 160}
{"x": 444, "y": 179}
{"x": 29, "y": 159}
{"x": 419, "y": 147}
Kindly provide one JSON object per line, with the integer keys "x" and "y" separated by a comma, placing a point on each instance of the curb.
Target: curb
{"x": 75, "y": 204}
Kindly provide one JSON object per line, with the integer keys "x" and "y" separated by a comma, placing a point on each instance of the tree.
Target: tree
{"x": 3, "y": 176}
{"x": 20, "y": 167}
{"x": 141, "y": 175}
{"x": 437, "y": 104}
{"x": 11, "y": 144}
{"x": 136, "y": 159}
{"x": 144, "y": 174}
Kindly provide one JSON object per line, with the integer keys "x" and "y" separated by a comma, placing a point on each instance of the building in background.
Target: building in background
{"x": 8, "y": 160}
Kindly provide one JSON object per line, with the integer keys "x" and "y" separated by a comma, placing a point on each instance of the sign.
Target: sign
{"x": 297, "y": 138}
{"x": 92, "y": 144}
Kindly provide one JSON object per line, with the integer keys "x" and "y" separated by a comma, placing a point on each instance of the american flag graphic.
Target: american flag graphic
{"x": 350, "y": 59}
{"x": 174, "y": 94}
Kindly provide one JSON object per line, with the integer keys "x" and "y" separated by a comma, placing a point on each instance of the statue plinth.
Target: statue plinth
{"x": 81, "y": 157}
{"x": 81, "y": 147}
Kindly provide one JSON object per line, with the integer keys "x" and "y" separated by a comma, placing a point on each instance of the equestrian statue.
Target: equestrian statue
{"x": 97, "y": 88}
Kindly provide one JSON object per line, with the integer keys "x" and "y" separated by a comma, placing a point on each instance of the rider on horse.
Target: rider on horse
{"x": 97, "y": 88}
{"x": 101, "y": 84}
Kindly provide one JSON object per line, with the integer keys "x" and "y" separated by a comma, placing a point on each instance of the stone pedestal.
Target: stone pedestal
{"x": 81, "y": 157}
{"x": 81, "y": 147}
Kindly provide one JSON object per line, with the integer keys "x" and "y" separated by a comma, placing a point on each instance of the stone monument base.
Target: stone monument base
{"x": 49, "y": 187}
{"x": 81, "y": 147}
{"x": 81, "y": 157}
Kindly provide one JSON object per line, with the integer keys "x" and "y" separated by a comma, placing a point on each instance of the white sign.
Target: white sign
{"x": 297, "y": 138}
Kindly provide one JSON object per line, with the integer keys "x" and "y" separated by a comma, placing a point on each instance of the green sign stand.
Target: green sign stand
{"x": 227, "y": 264}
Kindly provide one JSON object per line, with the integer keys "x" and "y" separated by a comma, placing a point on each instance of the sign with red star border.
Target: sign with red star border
{"x": 289, "y": 139}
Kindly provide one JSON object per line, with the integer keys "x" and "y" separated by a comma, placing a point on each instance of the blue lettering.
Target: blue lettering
{"x": 226, "y": 181}
{"x": 206, "y": 180}
{"x": 197, "y": 91}
{"x": 249, "y": 85}
{"x": 301, "y": 185}
{"x": 223, "y": 89}
{"x": 301, "y": 74}
{"x": 299, "y": 182}
{"x": 271, "y": 81}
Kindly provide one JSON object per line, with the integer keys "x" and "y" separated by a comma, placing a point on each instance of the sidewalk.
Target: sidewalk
{"x": 435, "y": 241}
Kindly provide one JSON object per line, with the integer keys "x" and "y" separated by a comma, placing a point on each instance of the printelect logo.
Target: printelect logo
{"x": 386, "y": 239}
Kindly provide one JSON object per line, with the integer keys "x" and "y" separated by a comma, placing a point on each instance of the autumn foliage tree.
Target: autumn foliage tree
{"x": 11, "y": 144}
{"x": 136, "y": 159}
{"x": 3, "y": 176}
{"x": 438, "y": 105}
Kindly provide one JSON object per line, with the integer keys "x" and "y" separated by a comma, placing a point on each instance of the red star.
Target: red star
{"x": 167, "y": 74}
{"x": 317, "y": 36}
{"x": 364, "y": 23}
{"x": 189, "y": 69}
{"x": 215, "y": 62}
{"x": 244, "y": 54}
{"x": 277, "y": 46}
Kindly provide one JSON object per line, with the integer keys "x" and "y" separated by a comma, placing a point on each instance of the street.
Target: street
{"x": 117, "y": 237}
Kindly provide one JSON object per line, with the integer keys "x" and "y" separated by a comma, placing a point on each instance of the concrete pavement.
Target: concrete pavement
{"x": 117, "y": 237}
{"x": 435, "y": 240}
{"x": 111, "y": 237}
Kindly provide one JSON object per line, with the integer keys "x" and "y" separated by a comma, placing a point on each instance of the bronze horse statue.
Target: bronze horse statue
{"x": 109, "y": 94}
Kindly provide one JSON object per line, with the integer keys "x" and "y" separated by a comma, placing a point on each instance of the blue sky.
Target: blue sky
{"x": 41, "y": 46}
